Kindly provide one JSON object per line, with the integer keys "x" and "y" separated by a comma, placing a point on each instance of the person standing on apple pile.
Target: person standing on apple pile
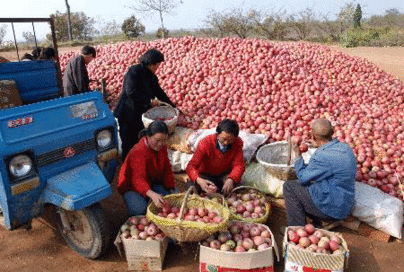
{"x": 146, "y": 172}
{"x": 325, "y": 187}
{"x": 218, "y": 162}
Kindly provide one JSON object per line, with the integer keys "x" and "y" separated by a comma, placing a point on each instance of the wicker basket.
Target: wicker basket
{"x": 260, "y": 220}
{"x": 274, "y": 158}
{"x": 188, "y": 231}
{"x": 220, "y": 197}
{"x": 161, "y": 112}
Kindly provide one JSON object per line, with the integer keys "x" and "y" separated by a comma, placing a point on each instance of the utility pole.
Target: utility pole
{"x": 69, "y": 22}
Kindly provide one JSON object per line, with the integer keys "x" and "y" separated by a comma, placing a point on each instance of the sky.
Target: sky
{"x": 188, "y": 15}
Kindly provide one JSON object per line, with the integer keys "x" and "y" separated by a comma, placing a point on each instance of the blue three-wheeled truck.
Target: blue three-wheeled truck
{"x": 53, "y": 151}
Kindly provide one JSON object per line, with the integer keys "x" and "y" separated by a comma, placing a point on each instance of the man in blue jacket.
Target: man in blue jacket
{"x": 326, "y": 186}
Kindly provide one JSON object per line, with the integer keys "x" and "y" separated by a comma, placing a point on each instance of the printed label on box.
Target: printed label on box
{"x": 293, "y": 267}
{"x": 204, "y": 267}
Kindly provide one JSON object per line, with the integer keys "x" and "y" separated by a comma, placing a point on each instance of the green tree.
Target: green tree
{"x": 3, "y": 32}
{"x": 357, "y": 16}
{"x": 82, "y": 26}
{"x": 132, "y": 27}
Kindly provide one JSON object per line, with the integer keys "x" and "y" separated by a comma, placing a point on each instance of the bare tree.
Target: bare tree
{"x": 160, "y": 6}
{"x": 215, "y": 21}
{"x": 331, "y": 29}
{"x": 69, "y": 22}
{"x": 272, "y": 25}
{"x": 303, "y": 23}
{"x": 345, "y": 16}
{"x": 233, "y": 21}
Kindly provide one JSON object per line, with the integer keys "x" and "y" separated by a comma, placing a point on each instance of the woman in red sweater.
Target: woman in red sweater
{"x": 218, "y": 161}
{"x": 146, "y": 172}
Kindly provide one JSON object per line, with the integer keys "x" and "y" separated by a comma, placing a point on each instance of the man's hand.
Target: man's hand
{"x": 296, "y": 149}
{"x": 156, "y": 198}
{"x": 207, "y": 186}
{"x": 312, "y": 143}
{"x": 228, "y": 186}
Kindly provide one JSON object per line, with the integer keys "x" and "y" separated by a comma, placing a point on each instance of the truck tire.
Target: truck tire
{"x": 89, "y": 234}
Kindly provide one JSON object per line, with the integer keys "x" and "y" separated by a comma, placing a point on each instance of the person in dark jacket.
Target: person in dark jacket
{"x": 140, "y": 88}
{"x": 75, "y": 78}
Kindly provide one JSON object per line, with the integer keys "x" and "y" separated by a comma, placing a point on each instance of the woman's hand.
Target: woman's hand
{"x": 207, "y": 186}
{"x": 156, "y": 198}
{"x": 228, "y": 186}
{"x": 155, "y": 103}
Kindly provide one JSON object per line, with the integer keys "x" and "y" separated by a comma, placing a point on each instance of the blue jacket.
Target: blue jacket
{"x": 330, "y": 178}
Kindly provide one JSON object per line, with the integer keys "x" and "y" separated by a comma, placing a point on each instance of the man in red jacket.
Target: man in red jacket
{"x": 218, "y": 161}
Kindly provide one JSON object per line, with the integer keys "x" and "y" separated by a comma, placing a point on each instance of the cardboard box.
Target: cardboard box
{"x": 9, "y": 95}
{"x": 299, "y": 260}
{"x": 224, "y": 261}
{"x": 142, "y": 255}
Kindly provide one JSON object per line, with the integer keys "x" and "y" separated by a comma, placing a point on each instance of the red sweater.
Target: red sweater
{"x": 144, "y": 167}
{"x": 210, "y": 161}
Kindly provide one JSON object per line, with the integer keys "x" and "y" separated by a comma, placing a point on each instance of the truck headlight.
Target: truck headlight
{"x": 104, "y": 138}
{"x": 20, "y": 166}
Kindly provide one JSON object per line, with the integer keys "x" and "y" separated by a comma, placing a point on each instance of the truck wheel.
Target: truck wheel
{"x": 86, "y": 232}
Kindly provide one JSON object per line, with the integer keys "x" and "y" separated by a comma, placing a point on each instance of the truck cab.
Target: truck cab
{"x": 53, "y": 150}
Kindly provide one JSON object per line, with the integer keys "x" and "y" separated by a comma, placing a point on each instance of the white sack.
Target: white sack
{"x": 378, "y": 209}
{"x": 179, "y": 160}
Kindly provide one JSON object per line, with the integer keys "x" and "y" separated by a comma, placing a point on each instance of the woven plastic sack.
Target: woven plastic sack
{"x": 379, "y": 210}
{"x": 179, "y": 160}
{"x": 179, "y": 140}
{"x": 256, "y": 176}
{"x": 251, "y": 142}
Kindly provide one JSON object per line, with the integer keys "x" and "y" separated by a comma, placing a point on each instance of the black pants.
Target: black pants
{"x": 299, "y": 204}
{"x": 129, "y": 134}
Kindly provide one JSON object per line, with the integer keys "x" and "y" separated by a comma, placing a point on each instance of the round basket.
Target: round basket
{"x": 260, "y": 220}
{"x": 218, "y": 196}
{"x": 188, "y": 231}
{"x": 274, "y": 157}
{"x": 165, "y": 112}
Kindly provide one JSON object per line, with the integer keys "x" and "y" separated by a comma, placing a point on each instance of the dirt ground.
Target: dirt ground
{"x": 42, "y": 248}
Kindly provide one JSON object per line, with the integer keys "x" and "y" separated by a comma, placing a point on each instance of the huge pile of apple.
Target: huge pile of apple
{"x": 277, "y": 89}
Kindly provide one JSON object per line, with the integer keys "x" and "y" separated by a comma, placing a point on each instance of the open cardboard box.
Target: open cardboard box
{"x": 215, "y": 260}
{"x": 301, "y": 260}
{"x": 142, "y": 255}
